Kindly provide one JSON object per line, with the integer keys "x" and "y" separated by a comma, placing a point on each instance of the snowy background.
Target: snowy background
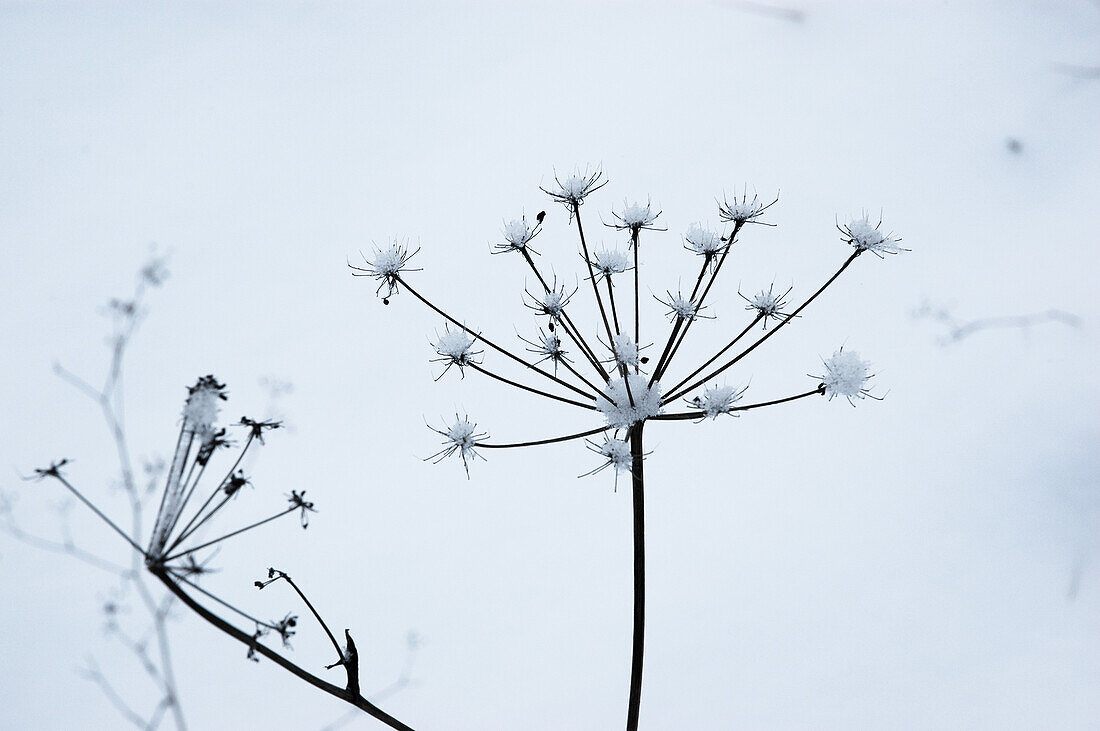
{"x": 928, "y": 561}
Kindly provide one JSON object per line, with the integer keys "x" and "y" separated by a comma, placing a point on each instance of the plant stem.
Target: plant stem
{"x": 635, "y": 702}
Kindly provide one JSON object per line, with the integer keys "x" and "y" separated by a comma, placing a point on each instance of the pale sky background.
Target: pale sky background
{"x": 903, "y": 564}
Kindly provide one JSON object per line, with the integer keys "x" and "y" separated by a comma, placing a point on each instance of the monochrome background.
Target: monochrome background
{"x": 928, "y": 561}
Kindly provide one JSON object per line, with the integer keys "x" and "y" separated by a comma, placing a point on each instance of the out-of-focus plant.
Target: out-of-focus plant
{"x": 601, "y": 371}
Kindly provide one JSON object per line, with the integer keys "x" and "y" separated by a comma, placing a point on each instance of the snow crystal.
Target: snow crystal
{"x": 625, "y": 349}
{"x": 610, "y": 261}
{"x": 636, "y": 215}
{"x": 702, "y": 240}
{"x": 618, "y": 454}
{"x": 717, "y": 400}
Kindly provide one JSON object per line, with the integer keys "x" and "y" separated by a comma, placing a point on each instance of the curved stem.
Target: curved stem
{"x": 537, "y": 442}
{"x": 244, "y": 638}
{"x": 635, "y": 701}
{"x": 510, "y": 382}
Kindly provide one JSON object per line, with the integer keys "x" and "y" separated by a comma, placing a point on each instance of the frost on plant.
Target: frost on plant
{"x": 718, "y": 400}
{"x": 626, "y": 407}
{"x": 846, "y": 375}
{"x": 867, "y": 236}
{"x": 386, "y": 266}
{"x": 517, "y": 235}
{"x": 604, "y": 381}
{"x": 460, "y": 438}
{"x": 455, "y": 348}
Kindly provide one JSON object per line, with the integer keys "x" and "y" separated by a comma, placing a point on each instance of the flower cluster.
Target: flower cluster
{"x": 846, "y": 375}
{"x": 635, "y": 216}
{"x": 866, "y": 236}
{"x": 455, "y": 348}
{"x": 631, "y": 401}
{"x": 718, "y": 400}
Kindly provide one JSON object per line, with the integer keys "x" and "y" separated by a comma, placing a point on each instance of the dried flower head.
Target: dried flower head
{"x": 768, "y": 304}
{"x": 517, "y": 234}
{"x": 572, "y": 190}
{"x": 549, "y": 347}
{"x": 461, "y": 437}
{"x": 617, "y": 453}
{"x": 624, "y": 350}
{"x": 703, "y": 241}
{"x": 551, "y": 303}
{"x": 682, "y": 308}
{"x": 846, "y": 375}
{"x": 455, "y": 348}
{"x": 717, "y": 400}
{"x": 635, "y": 216}
{"x": 744, "y": 209}
{"x": 386, "y": 266}
{"x": 610, "y": 261}
{"x": 867, "y": 236}
{"x": 200, "y": 411}
{"x": 624, "y": 409}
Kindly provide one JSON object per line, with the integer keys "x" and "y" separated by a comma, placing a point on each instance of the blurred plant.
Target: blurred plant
{"x": 174, "y": 543}
{"x": 619, "y": 389}
{"x": 958, "y": 330}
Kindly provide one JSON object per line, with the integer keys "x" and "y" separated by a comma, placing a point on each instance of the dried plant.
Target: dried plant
{"x": 603, "y": 372}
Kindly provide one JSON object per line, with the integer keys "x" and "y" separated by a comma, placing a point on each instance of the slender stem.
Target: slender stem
{"x": 493, "y": 345}
{"x": 246, "y": 639}
{"x": 573, "y": 331}
{"x": 767, "y": 335}
{"x": 510, "y": 382}
{"x": 257, "y": 524}
{"x": 658, "y": 372}
{"x": 717, "y": 355}
{"x": 591, "y": 272}
{"x": 623, "y": 370}
{"x": 637, "y": 320}
{"x": 187, "y": 529}
{"x": 537, "y": 442}
{"x": 701, "y": 415}
{"x": 638, "y": 649}
{"x": 97, "y": 511}
{"x": 180, "y": 577}
{"x": 316, "y": 615}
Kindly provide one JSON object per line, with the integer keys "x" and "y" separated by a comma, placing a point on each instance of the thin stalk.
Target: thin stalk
{"x": 180, "y": 577}
{"x": 576, "y": 333}
{"x": 659, "y": 370}
{"x": 591, "y": 272}
{"x": 622, "y": 368}
{"x": 553, "y": 440}
{"x": 246, "y": 639}
{"x": 777, "y": 328}
{"x": 717, "y": 355}
{"x": 700, "y": 415}
{"x": 230, "y": 535}
{"x": 493, "y": 345}
{"x": 531, "y": 389}
{"x": 97, "y": 511}
{"x": 236, "y": 463}
{"x": 638, "y": 649}
{"x": 637, "y": 320}
{"x": 316, "y": 615}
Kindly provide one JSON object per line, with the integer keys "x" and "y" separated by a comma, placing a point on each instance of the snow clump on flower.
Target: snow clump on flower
{"x": 618, "y": 454}
{"x": 768, "y": 304}
{"x": 386, "y": 266}
{"x": 610, "y": 261}
{"x": 743, "y": 210}
{"x": 455, "y": 348}
{"x": 619, "y": 412}
{"x": 866, "y": 236}
{"x": 625, "y": 349}
{"x": 461, "y": 437}
{"x": 635, "y": 215}
{"x": 517, "y": 234}
{"x": 702, "y": 240}
{"x": 846, "y": 375}
{"x": 718, "y": 400}
{"x": 572, "y": 190}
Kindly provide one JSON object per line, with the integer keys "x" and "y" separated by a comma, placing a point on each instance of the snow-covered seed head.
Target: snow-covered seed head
{"x": 460, "y": 437}
{"x": 386, "y": 265}
{"x": 682, "y": 308}
{"x": 867, "y": 236}
{"x": 767, "y": 304}
{"x": 625, "y": 350}
{"x": 718, "y": 400}
{"x": 551, "y": 303}
{"x": 617, "y": 453}
{"x": 572, "y": 190}
{"x": 635, "y": 216}
{"x": 517, "y": 234}
{"x": 202, "y": 406}
{"x": 619, "y": 411}
{"x": 846, "y": 375}
{"x": 548, "y": 346}
{"x": 703, "y": 241}
{"x": 610, "y": 261}
{"x": 744, "y": 209}
{"x": 455, "y": 348}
